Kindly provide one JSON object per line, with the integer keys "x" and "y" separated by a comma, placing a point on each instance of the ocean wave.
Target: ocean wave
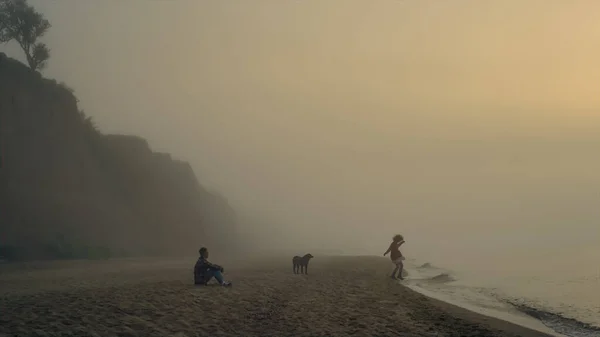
{"x": 425, "y": 265}
{"x": 440, "y": 278}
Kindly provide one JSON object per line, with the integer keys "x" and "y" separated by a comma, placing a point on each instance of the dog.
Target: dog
{"x": 301, "y": 264}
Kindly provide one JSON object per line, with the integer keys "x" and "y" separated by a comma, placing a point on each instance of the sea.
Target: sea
{"x": 559, "y": 295}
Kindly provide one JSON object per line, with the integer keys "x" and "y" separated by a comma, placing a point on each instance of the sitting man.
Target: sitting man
{"x": 204, "y": 271}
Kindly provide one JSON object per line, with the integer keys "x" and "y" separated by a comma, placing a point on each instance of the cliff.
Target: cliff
{"x": 69, "y": 191}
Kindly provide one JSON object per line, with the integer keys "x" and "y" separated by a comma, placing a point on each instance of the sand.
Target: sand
{"x": 341, "y": 296}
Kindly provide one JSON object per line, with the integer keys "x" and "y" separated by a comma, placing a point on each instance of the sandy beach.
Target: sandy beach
{"x": 341, "y": 296}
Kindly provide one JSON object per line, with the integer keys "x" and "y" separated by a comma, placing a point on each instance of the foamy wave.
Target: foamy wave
{"x": 563, "y": 325}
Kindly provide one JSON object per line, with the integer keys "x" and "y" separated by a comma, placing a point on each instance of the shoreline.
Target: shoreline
{"x": 342, "y": 296}
{"x": 517, "y": 318}
{"x": 454, "y": 287}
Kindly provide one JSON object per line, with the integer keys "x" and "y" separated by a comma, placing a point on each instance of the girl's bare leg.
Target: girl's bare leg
{"x": 401, "y": 267}
{"x": 394, "y": 272}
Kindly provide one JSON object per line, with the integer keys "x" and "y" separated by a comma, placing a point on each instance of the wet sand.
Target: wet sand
{"x": 341, "y": 296}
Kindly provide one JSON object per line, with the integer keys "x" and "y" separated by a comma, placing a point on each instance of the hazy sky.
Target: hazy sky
{"x": 462, "y": 124}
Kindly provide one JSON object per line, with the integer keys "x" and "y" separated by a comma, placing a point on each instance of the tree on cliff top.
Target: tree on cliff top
{"x": 20, "y": 22}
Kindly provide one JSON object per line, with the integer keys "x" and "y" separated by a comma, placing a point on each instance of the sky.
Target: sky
{"x": 464, "y": 125}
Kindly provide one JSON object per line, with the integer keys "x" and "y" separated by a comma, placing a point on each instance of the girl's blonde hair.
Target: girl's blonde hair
{"x": 398, "y": 237}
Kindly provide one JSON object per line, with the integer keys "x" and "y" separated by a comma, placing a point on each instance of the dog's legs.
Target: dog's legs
{"x": 306, "y": 269}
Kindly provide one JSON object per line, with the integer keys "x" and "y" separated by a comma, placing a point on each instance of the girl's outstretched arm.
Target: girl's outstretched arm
{"x": 388, "y": 250}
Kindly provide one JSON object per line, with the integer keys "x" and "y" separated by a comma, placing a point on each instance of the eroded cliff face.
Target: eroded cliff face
{"x": 67, "y": 190}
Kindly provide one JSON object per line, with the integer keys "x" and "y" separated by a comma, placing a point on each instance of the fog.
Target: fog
{"x": 471, "y": 127}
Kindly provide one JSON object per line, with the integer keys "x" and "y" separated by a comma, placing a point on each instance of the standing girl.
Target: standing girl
{"x": 396, "y": 256}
